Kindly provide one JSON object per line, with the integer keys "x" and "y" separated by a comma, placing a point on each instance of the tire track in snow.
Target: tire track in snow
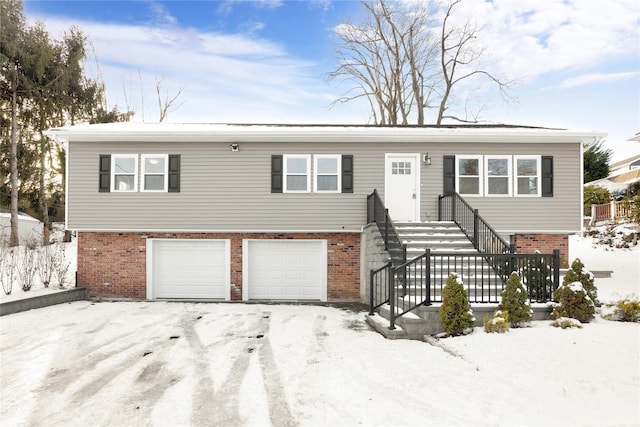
{"x": 279, "y": 412}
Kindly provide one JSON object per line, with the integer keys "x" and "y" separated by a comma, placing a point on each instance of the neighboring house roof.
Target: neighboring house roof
{"x": 625, "y": 165}
{"x": 619, "y": 182}
{"x": 6, "y": 213}
{"x": 635, "y": 137}
{"x": 140, "y": 132}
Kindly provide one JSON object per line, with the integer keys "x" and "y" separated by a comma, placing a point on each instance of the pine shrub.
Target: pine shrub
{"x": 455, "y": 312}
{"x": 577, "y": 273}
{"x": 574, "y": 302}
{"x": 515, "y": 302}
{"x": 499, "y": 323}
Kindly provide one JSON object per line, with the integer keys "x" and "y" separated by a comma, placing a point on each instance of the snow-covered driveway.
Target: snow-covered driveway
{"x": 155, "y": 363}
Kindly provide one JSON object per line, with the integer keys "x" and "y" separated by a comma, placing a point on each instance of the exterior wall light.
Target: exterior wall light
{"x": 426, "y": 159}
{"x": 234, "y": 147}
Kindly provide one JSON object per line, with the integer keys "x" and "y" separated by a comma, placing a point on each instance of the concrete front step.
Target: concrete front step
{"x": 424, "y": 321}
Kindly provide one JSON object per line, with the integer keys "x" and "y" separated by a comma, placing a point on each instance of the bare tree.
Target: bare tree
{"x": 458, "y": 56}
{"x": 165, "y": 101}
{"x": 405, "y": 63}
{"x": 388, "y": 57}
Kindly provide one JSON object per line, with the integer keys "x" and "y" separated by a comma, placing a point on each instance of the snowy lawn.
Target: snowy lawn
{"x": 167, "y": 364}
{"x": 158, "y": 363}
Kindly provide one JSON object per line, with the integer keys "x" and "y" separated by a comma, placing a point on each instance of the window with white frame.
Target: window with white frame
{"x": 296, "y": 173}
{"x": 154, "y": 172}
{"x": 498, "y": 175}
{"x": 401, "y": 168}
{"x": 469, "y": 175}
{"x": 124, "y": 172}
{"x": 527, "y": 176}
{"x": 327, "y": 173}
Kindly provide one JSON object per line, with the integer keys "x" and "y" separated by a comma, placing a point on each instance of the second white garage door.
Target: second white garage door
{"x": 284, "y": 269}
{"x": 188, "y": 268}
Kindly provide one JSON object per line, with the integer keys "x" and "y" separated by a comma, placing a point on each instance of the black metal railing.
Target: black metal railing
{"x": 407, "y": 284}
{"x": 378, "y": 213}
{"x": 380, "y": 281}
{"x": 452, "y": 207}
{"x": 421, "y": 280}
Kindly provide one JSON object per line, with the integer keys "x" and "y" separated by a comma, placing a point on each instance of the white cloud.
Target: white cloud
{"x": 227, "y": 77}
{"x": 596, "y": 78}
{"x": 161, "y": 15}
{"x": 528, "y": 39}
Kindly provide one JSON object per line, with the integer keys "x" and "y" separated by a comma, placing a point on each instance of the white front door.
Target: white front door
{"x": 402, "y": 186}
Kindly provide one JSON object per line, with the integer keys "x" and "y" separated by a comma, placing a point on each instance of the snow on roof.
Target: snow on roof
{"x": 209, "y": 132}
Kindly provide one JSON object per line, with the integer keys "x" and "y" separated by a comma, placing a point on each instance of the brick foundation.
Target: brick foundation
{"x": 114, "y": 264}
{"x": 544, "y": 243}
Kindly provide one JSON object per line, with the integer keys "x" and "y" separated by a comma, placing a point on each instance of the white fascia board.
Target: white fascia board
{"x": 141, "y": 132}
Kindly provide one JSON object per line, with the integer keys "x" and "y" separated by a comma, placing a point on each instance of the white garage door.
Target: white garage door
{"x": 188, "y": 268}
{"x": 285, "y": 269}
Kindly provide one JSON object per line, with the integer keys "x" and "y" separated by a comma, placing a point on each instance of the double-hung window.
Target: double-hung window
{"x": 154, "y": 172}
{"x": 296, "y": 173}
{"x": 327, "y": 169}
{"x": 498, "y": 175}
{"x": 124, "y": 172}
{"x": 527, "y": 176}
{"x": 469, "y": 175}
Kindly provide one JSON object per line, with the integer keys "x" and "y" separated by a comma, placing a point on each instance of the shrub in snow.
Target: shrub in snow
{"x": 499, "y": 323}
{"x": 7, "y": 268}
{"x": 574, "y": 302}
{"x": 60, "y": 264}
{"x": 46, "y": 263}
{"x": 566, "y": 322}
{"x": 515, "y": 302}
{"x": 624, "y": 310}
{"x": 577, "y": 273}
{"x": 455, "y": 312}
{"x": 27, "y": 267}
{"x": 536, "y": 276}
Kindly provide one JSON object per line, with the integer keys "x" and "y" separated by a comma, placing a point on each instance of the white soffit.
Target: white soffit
{"x": 165, "y": 132}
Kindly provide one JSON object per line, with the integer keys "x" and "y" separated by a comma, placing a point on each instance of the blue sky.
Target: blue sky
{"x": 576, "y": 62}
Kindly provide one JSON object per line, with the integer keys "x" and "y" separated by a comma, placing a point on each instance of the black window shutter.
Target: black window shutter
{"x": 347, "y": 173}
{"x": 174, "y": 173}
{"x": 104, "y": 174}
{"x": 276, "y": 174}
{"x": 547, "y": 176}
{"x": 449, "y": 174}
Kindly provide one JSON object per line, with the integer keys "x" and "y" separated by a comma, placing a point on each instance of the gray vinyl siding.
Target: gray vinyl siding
{"x": 223, "y": 190}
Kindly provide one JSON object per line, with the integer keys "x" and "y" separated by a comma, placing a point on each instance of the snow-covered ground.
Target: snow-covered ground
{"x": 169, "y": 364}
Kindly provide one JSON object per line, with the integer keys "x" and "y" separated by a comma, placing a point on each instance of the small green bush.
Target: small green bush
{"x": 625, "y": 310}
{"x": 455, "y": 312}
{"x": 515, "y": 302}
{"x": 566, "y": 322}
{"x": 499, "y": 323}
{"x": 577, "y": 273}
{"x": 574, "y": 302}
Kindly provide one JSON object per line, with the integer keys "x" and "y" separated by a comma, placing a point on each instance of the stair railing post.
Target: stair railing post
{"x": 556, "y": 272}
{"x": 386, "y": 229}
{"x": 512, "y": 250}
{"x": 404, "y": 270}
{"x": 392, "y": 298}
{"x": 427, "y": 254}
{"x": 453, "y": 208}
{"x": 371, "y": 292}
{"x": 476, "y": 226}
